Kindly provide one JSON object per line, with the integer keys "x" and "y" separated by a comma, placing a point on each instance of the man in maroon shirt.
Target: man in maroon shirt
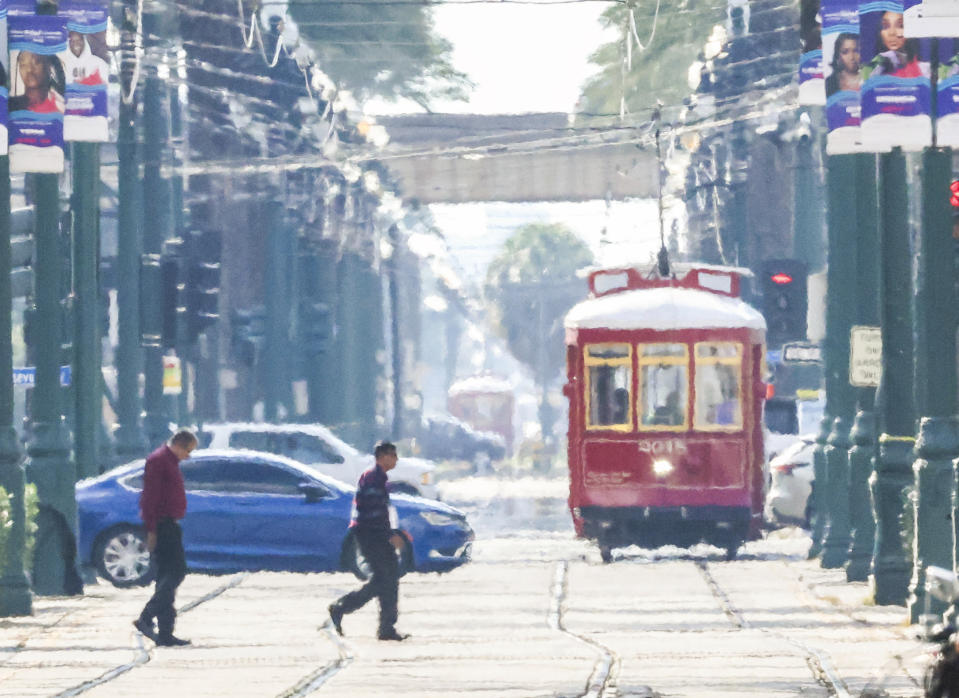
{"x": 378, "y": 543}
{"x": 162, "y": 502}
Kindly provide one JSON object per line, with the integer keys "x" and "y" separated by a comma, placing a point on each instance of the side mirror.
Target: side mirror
{"x": 313, "y": 491}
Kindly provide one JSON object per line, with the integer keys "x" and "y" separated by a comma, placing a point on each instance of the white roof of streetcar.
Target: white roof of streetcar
{"x": 665, "y": 308}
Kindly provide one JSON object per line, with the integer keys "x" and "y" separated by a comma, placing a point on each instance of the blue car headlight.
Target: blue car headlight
{"x": 434, "y": 518}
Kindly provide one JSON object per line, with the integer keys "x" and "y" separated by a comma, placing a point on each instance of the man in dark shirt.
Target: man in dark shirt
{"x": 378, "y": 544}
{"x": 162, "y": 502}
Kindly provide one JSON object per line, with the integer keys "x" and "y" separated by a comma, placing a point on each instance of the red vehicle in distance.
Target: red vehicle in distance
{"x": 665, "y": 386}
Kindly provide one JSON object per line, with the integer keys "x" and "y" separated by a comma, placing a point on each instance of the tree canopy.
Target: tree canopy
{"x": 378, "y": 49}
{"x": 532, "y": 283}
{"x": 659, "y": 71}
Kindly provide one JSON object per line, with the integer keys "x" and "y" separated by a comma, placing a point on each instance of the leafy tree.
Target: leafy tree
{"x": 531, "y": 284}
{"x": 381, "y": 49}
{"x": 659, "y": 72}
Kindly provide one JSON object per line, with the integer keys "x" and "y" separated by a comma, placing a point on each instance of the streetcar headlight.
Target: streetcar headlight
{"x": 662, "y": 468}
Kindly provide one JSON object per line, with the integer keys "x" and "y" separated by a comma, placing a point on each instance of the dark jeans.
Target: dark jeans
{"x": 171, "y": 569}
{"x": 384, "y": 582}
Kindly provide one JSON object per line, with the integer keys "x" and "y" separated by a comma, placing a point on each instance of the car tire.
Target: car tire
{"x": 121, "y": 557}
{"x": 356, "y": 563}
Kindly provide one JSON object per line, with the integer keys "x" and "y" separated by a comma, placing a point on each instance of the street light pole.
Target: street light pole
{"x": 15, "y": 597}
{"x": 897, "y": 418}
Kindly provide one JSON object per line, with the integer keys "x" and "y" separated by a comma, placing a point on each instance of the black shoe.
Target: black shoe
{"x": 170, "y": 641}
{"x": 146, "y": 628}
{"x": 391, "y": 635}
{"x": 336, "y": 617}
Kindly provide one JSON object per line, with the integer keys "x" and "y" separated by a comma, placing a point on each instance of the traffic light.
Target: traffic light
{"x": 173, "y": 290}
{"x": 202, "y": 252}
{"x": 784, "y": 301}
{"x": 248, "y": 334}
{"x": 315, "y": 327}
{"x": 954, "y": 193}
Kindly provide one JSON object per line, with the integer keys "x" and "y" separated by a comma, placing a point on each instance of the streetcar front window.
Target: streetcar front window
{"x": 664, "y": 386}
{"x": 609, "y": 380}
{"x": 718, "y": 404}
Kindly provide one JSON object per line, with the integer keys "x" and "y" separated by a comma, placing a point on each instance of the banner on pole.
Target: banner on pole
{"x": 4, "y": 79}
{"x": 811, "y": 90}
{"x": 840, "y": 51}
{"x": 87, "y": 68}
{"x": 896, "y": 88}
{"x": 37, "y": 84}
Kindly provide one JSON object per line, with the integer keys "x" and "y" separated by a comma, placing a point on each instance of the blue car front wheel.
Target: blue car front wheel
{"x": 122, "y": 558}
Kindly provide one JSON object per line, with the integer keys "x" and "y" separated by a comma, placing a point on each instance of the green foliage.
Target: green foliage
{"x": 660, "y": 71}
{"x": 6, "y": 523}
{"x": 532, "y": 283}
{"x": 390, "y": 51}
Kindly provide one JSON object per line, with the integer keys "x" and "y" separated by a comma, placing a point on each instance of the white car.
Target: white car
{"x": 316, "y": 445}
{"x": 791, "y": 474}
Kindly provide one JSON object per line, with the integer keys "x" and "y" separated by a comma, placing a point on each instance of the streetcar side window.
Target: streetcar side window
{"x": 608, "y": 384}
{"x": 663, "y": 386}
{"x": 718, "y": 386}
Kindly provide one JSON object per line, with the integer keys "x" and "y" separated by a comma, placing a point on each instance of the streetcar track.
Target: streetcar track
{"x": 606, "y": 668}
{"x": 315, "y": 679}
{"x": 819, "y": 661}
{"x": 143, "y": 655}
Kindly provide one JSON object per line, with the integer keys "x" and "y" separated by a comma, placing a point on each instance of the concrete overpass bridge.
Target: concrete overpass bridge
{"x": 461, "y": 158}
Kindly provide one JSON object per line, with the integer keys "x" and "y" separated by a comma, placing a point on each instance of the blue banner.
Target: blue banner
{"x": 841, "y": 64}
{"x": 896, "y": 88}
{"x": 811, "y": 89}
{"x": 37, "y": 87}
{"x": 86, "y": 66}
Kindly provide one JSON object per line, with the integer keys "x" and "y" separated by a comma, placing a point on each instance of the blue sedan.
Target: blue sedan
{"x": 248, "y": 510}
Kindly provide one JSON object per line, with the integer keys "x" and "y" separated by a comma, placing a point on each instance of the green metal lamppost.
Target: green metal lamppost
{"x": 892, "y": 565}
{"x": 841, "y": 190}
{"x": 938, "y": 442}
{"x": 15, "y": 596}
{"x": 864, "y": 428}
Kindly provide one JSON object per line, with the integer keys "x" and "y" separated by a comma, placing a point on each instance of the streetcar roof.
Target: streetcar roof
{"x": 665, "y": 308}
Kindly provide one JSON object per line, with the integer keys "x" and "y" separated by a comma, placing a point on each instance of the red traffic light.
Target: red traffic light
{"x": 783, "y": 278}
{"x": 954, "y": 193}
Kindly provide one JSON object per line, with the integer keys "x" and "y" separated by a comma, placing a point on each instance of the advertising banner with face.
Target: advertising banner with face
{"x": 4, "y": 79}
{"x": 86, "y": 65}
{"x": 37, "y": 85}
{"x": 896, "y": 89}
{"x": 840, "y": 67}
{"x": 811, "y": 89}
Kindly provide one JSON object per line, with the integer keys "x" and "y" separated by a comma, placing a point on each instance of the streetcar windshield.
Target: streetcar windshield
{"x": 609, "y": 378}
{"x": 664, "y": 386}
{"x": 718, "y": 404}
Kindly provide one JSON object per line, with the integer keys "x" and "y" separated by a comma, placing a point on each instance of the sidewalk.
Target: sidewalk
{"x": 257, "y": 634}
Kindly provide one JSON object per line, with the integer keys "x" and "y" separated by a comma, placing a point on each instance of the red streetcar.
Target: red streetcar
{"x": 665, "y": 418}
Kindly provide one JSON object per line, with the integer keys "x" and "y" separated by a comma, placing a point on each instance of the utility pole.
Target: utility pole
{"x": 395, "y": 341}
{"x": 15, "y": 596}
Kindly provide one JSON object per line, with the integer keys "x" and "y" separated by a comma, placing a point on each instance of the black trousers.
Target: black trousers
{"x": 383, "y": 584}
{"x": 170, "y": 564}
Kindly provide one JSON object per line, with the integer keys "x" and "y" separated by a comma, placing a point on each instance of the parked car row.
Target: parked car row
{"x": 791, "y": 479}
{"x": 314, "y": 444}
{"x": 249, "y": 510}
{"x": 443, "y": 437}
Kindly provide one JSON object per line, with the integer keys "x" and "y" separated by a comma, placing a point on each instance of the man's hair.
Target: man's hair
{"x": 384, "y": 447}
{"x": 183, "y": 438}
